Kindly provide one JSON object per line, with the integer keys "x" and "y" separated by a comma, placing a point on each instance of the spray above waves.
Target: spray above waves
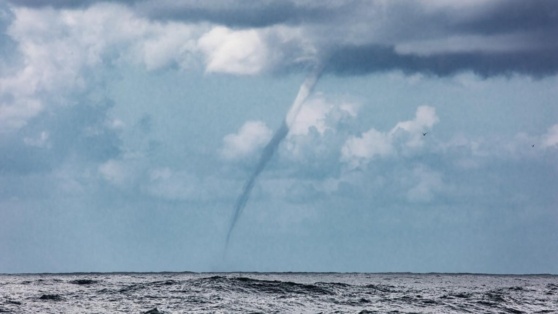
{"x": 268, "y": 151}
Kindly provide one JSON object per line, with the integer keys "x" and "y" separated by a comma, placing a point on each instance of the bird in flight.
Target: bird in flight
{"x": 424, "y": 134}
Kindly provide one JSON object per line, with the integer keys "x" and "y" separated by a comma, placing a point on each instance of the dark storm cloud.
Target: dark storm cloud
{"x": 516, "y": 15}
{"x": 358, "y": 60}
{"x": 62, "y": 3}
{"x": 488, "y": 38}
{"x": 360, "y": 37}
{"x": 493, "y": 37}
{"x": 232, "y": 13}
{"x": 246, "y": 13}
{"x": 490, "y": 16}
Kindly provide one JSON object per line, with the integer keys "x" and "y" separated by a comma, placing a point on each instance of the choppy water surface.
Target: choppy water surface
{"x": 277, "y": 293}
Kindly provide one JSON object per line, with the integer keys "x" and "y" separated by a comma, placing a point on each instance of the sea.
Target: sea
{"x": 154, "y": 293}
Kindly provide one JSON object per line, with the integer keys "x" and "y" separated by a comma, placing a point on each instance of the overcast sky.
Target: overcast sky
{"x": 429, "y": 143}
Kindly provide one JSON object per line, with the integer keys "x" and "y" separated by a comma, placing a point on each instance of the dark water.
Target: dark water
{"x": 277, "y": 293}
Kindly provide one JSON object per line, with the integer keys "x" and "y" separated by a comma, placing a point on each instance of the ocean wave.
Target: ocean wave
{"x": 277, "y": 293}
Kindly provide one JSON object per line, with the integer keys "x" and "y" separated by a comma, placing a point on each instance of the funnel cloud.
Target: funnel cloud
{"x": 268, "y": 151}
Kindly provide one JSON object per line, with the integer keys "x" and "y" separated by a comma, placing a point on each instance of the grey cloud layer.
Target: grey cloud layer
{"x": 354, "y": 60}
{"x": 251, "y": 13}
{"x": 359, "y": 37}
{"x": 492, "y": 37}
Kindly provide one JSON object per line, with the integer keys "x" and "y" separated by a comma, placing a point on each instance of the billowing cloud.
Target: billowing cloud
{"x": 318, "y": 131}
{"x": 256, "y": 51}
{"x": 235, "y": 52}
{"x": 359, "y": 150}
{"x": 320, "y": 114}
{"x": 252, "y": 136}
{"x": 414, "y": 130}
{"x": 60, "y": 51}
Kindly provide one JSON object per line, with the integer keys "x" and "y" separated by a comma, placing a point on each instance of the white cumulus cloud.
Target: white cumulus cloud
{"x": 321, "y": 115}
{"x": 234, "y": 52}
{"x": 252, "y": 136}
{"x": 414, "y": 130}
{"x": 360, "y": 149}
